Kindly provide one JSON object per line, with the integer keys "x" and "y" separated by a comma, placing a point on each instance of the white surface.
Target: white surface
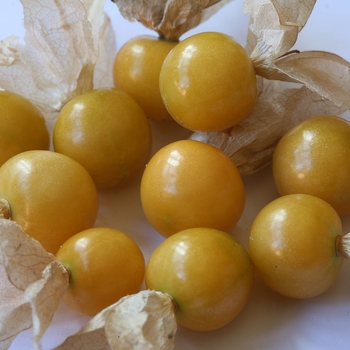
{"x": 269, "y": 321}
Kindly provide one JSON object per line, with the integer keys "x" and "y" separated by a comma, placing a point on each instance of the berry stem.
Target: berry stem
{"x": 5, "y": 209}
{"x": 343, "y": 246}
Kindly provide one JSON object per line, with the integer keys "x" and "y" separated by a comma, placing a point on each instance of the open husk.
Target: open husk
{"x": 32, "y": 280}
{"x": 143, "y": 321}
{"x": 318, "y": 83}
{"x": 69, "y": 49}
{"x": 169, "y": 18}
{"x": 33, "y": 283}
{"x": 321, "y": 79}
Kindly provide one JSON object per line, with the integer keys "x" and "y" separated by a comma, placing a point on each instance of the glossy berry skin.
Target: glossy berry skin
{"x": 188, "y": 184}
{"x": 22, "y": 126}
{"x": 207, "y": 272}
{"x": 107, "y": 132}
{"x": 292, "y": 244}
{"x": 208, "y": 82}
{"x": 313, "y": 157}
{"x": 136, "y": 71}
{"x": 104, "y": 264}
{"x": 50, "y": 195}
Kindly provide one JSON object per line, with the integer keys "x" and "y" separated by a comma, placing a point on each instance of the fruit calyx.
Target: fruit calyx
{"x": 5, "y": 209}
{"x": 343, "y": 246}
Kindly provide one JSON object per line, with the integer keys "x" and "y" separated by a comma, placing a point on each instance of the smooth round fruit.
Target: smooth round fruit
{"x": 22, "y": 126}
{"x": 189, "y": 184}
{"x": 50, "y": 195}
{"x": 136, "y": 71}
{"x": 207, "y": 272}
{"x": 313, "y": 157}
{"x": 104, "y": 265}
{"x": 107, "y": 132}
{"x": 292, "y": 244}
{"x": 208, "y": 82}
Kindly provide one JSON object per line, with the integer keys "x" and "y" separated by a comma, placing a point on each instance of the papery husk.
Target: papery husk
{"x": 274, "y": 27}
{"x": 273, "y": 31}
{"x": 33, "y": 283}
{"x": 69, "y": 46}
{"x": 44, "y": 296}
{"x": 169, "y": 18}
{"x": 322, "y": 78}
{"x": 251, "y": 143}
{"x": 69, "y": 49}
{"x": 15, "y": 311}
{"x": 142, "y": 321}
{"x": 23, "y": 257}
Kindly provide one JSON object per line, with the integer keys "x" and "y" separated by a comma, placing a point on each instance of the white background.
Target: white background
{"x": 269, "y": 321}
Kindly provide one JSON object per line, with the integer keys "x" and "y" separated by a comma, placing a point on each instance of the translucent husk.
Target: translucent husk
{"x": 169, "y": 18}
{"x": 35, "y": 279}
{"x": 69, "y": 49}
{"x": 318, "y": 83}
{"x": 33, "y": 283}
{"x": 321, "y": 80}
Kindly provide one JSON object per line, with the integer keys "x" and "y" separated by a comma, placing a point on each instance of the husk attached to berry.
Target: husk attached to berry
{"x": 33, "y": 283}
{"x": 13, "y": 307}
{"x": 35, "y": 279}
{"x": 319, "y": 83}
{"x": 169, "y": 18}
{"x": 69, "y": 49}
{"x": 251, "y": 143}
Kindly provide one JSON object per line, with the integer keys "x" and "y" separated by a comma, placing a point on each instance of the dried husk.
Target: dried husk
{"x": 323, "y": 80}
{"x": 169, "y": 18}
{"x": 32, "y": 285}
{"x": 142, "y": 321}
{"x": 23, "y": 257}
{"x": 145, "y": 320}
{"x": 15, "y": 311}
{"x": 44, "y": 296}
{"x": 251, "y": 143}
{"x": 69, "y": 48}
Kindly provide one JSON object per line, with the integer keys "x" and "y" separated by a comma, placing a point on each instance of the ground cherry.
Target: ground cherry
{"x": 293, "y": 245}
{"x": 207, "y": 272}
{"x": 104, "y": 265}
{"x": 136, "y": 71}
{"x": 107, "y": 132}
{"x": 188, "y": 184}
{"x": 49, "y": 194}
{"x": 313, "y": 157}
{"x": 208, "y": 82}
{"x": 22, "y": 126}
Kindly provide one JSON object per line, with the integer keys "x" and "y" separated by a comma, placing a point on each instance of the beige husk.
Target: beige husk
{"x": 69, "y": 49}
{"x": 38, "y": 282}
{"x": 318, "y": 84}
{"x": 142, "y": 321}
{"x": 323, "y": 78}
{"x": 169, "y": 18}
